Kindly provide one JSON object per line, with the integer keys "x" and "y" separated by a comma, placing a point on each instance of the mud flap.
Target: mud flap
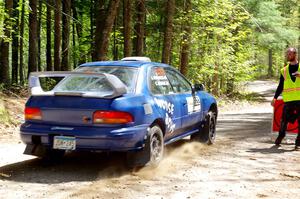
{"x": 36, "y": 150}
{"x": 138, "y": 158}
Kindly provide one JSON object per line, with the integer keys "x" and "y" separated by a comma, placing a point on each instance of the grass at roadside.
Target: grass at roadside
{"x": 5, "y": 118}
{"x": 239, "y": 98}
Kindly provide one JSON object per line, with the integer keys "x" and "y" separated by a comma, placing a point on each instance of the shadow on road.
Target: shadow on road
{"x": 271, "y": 150}
{"x": 76, "y": 166}
{"x": 241, "y": 126}
{"x": 73, "y": 167}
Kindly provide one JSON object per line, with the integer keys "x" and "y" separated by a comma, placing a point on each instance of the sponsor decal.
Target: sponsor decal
{"x": 165, "y": 105}
{"x": 160, "y": 72}
{"x": 193, "y": 104}
{"x": 197, "y": 104}
{"x": 169, "y": 108}
{"x": 170, "y": 124}
{"x": 160, "y": 78}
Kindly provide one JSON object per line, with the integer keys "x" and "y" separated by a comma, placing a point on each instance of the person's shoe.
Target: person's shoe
{"x": 278, "y": 140}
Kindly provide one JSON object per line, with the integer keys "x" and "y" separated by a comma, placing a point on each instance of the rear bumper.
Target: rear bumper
{"x": 87, "y": 138}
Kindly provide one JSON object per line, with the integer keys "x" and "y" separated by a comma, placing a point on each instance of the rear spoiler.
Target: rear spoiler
{"x": 119, "y": 88}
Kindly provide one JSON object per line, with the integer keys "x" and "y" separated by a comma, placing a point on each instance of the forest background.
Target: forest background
{"x": 216, "y": 42}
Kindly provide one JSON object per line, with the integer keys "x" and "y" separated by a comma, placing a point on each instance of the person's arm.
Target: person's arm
{"x": 296, "y": 74}
{"x": 278, "y": 90}
{"x": 279, "y": 87}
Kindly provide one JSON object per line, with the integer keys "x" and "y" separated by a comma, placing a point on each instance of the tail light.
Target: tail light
{"x": 33, "y": 113}
{"x": 112, "y": 117}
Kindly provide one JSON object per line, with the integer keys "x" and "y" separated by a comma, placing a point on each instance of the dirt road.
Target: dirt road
{"x": 243, "y": 163}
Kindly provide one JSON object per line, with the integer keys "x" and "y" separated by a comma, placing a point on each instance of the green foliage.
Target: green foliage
{"x": 229, "y": 42}
{"x": 2, "y": 16}
{"x": 48, "y": 83}
{"x": 4, "y": 115}
{"x": 274, "y": 34}
{"x": 220, "y": 46}
{"x": 5, "y": 22}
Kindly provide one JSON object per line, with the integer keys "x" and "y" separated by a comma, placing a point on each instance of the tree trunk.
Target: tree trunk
{"x": 115, "y": 46}
{"x": 48, "y": 45}
{"x": 74, "y": 45}
{"x": 15, "y": 43}
{"x": 170, "y": 9}
{"x": 270, "y": 69}
{"x": 127, "y": 15}
{"x": 4, "y": 45}
{"x": 100, "y": 20}
{"x": 95, "y": 5}
{"x": 184, "y": 54}
{"x": 102, "y": 43}
{"x": 139, "y": 28}
{"x": 57, "y": 35}
{"x": 39, "y": 35}
{"x": 65, "y": 63}
{"x": 215, "y": 80}
{"x": 21, "y": 68}
{"x": 160, "y": 33}
{"x": 79, "y": 27}
{"x": 32, "y": 61}
{"x": 230, "y": 86}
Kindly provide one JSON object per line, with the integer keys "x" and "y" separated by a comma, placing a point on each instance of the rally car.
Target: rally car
{"x": 132, "y": 105}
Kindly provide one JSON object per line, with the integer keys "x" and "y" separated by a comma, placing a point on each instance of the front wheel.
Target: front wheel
{"x": 207, "y": 133}
{"x": 153, "y": 151}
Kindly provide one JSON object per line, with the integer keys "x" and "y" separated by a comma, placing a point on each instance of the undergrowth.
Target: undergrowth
{"x": 4, "y": 115}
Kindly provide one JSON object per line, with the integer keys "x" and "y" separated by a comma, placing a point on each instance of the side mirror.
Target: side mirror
{"x": 199, "y": 87}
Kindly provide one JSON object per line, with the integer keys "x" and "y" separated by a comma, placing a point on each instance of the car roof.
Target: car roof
{"x": 135, "y": 64}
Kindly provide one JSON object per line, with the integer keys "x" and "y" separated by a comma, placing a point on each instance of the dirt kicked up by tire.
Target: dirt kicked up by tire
{"x": 242, "y": 163}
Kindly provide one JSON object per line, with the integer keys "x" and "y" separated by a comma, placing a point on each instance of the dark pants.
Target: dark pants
{"x": 291, "y": 112}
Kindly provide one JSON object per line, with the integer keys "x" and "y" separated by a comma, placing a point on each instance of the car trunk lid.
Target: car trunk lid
{"x": 68, "y": 109}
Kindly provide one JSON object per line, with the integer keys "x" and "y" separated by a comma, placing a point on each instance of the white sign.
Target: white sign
{"x": 193, "y": 104}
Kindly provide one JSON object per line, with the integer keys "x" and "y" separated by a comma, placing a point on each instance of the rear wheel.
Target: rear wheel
{"x": 153, "y": 151}
{"x": 156, "y": 145}
{"x": 207, "y": 132}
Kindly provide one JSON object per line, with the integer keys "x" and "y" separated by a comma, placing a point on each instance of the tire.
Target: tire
{"x": 207, "y": 133}
{"x": 152, "y": 153}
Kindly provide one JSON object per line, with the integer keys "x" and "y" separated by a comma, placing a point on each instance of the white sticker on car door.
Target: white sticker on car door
{"x": 193, "y": 104}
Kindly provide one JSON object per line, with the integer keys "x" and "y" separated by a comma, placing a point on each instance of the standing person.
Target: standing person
{"x": 289, "y": 86}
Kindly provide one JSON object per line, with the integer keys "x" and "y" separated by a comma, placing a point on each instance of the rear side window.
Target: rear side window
{"x": 178, "y": 82}
{"x": 159, "y": 83}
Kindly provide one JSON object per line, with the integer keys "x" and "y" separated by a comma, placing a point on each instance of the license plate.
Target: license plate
{"x": 64, "y": 142}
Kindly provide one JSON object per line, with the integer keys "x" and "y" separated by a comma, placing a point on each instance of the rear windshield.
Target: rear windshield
{"x": 84, "y": 84}
{"x": 127, "y": 75}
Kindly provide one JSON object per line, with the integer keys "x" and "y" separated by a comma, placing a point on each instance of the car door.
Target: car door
{"x": 165, "y": 101}
{"x": 190, "y": 104}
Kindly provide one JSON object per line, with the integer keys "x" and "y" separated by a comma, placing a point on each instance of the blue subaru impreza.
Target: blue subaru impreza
{"x": 133, "y": 105}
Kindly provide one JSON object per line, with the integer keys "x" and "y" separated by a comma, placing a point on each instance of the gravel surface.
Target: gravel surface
{"x": 243, "y": 163}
